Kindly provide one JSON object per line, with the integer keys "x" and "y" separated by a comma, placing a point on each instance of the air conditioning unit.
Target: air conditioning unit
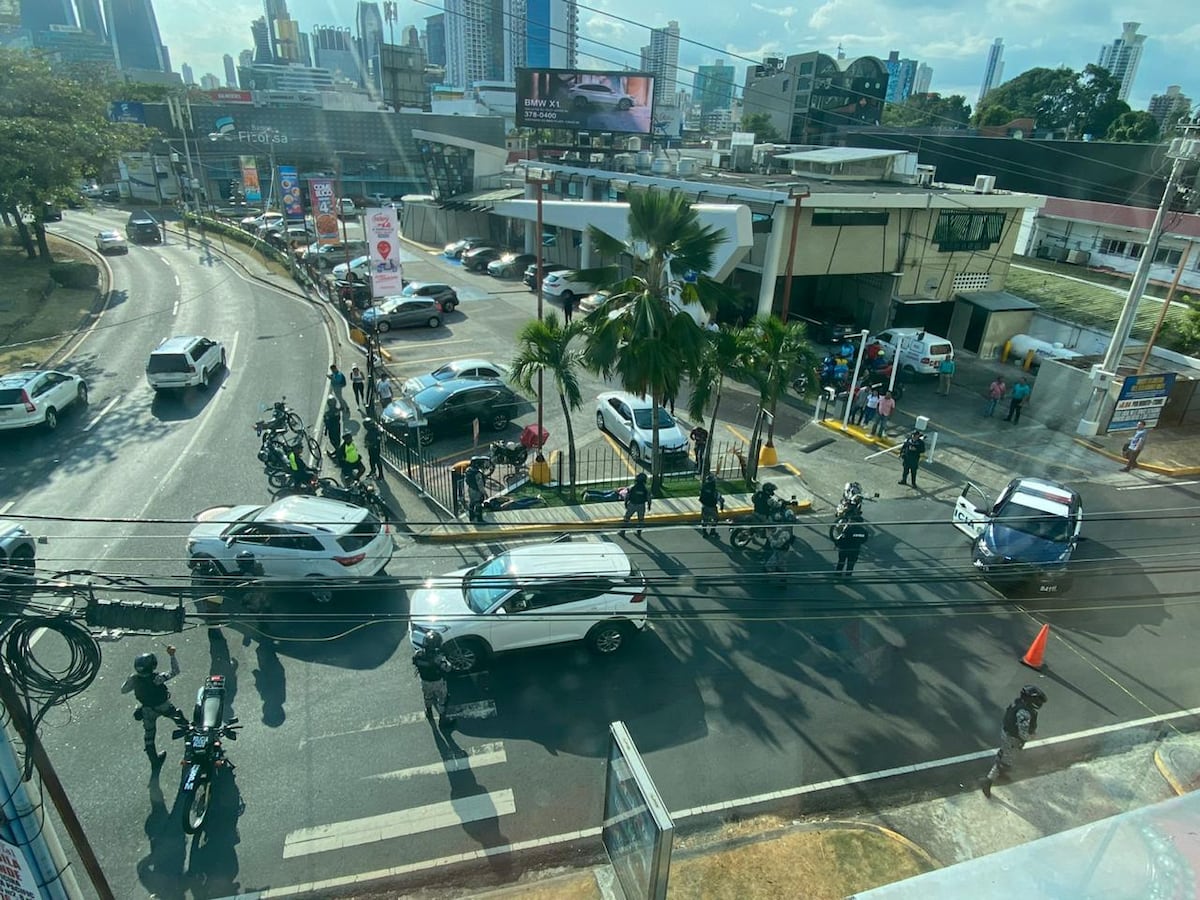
{"x": 925, "y": 175}
{"x": 985, "y": 184}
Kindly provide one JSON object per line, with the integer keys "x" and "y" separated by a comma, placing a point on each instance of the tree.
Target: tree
{"x": 1133, "y": 128}
{"x": 995, "y": 115}
{"x": 1033, "y": 94}
{"x": 724, "y": 354}
{"x": 774, "y": 352}
{"x": 1100, "y": 102}
{"x": 642, "y": 334}
{"x": 54, "y": 131}
{"x": 928, "y": 111}
{"x": 764, "y": 129}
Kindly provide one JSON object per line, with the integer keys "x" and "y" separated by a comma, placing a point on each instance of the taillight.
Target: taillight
{"x": 29, "y": 405}
{"x": 350, "y": 560}
{"x": 191, "y": 370}
{"x": 638, "y": 597}
{"x": 926, "y": 361}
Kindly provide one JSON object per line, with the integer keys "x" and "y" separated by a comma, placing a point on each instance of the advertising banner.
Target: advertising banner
{"x": 382, "y": 244}
{"x": 325, "y": 220}
{"x": 614, "y": 102}
{"x": 128, "y": 111}
{"x": 250, "y": 185}
{"x": 289, "y": 191}
{"x": 1141, "y": 397}
{"x": 16, "y": 881}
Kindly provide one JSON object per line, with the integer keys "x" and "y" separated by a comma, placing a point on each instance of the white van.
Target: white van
{"x": 918, "y": 351}
{"x": 346, "y": 208}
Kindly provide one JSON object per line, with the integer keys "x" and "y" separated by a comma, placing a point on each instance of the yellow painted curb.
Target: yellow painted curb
{"x": 1170, "y": 471}
{"x": 1165, "y": 771}
{"x": 768, "y": 456}
{"x": 857, "y": 433}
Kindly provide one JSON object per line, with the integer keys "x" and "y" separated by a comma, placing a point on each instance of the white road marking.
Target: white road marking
{"x": 1147, "y": 487}
{"x": 175, "y": 307}
{"x": 176, "y": 277}
{"x": 491, "y": 754}
{"x": 484, "y": 709}
{"x": 417, "y": 819}
{"x": 100, "y": 415}
{"x": 7, "y": 506}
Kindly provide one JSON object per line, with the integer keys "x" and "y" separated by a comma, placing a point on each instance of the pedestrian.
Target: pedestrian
{"x": 910, "y": 456}
{"x": 568, "y": 308}
{"x": 383, "y": 388}
{"x": 887, "y": 405}
{"x": 1133, "y": 447}
{"x": 350, "y": 460}
{"x": 849, "y": 538}
{"x": 332, "y": 422}
{"x": 699, "y": 436}
{"x": 358, "y": 381}
{"x": 476, "y": 492}
{"x": 1020, "y": 393}
{"x": 668, "y": 401}
{"x": 995, "y": 394}
{"x": 637, "y": 502}
{"x": 431, "y": 665}
{"x": 1019, "y": 725}
{"x": 945, "y": 375}
{"x": 337, "y": 381}
{"x": 374, "y": 440}
{"x": 150, "y": 689}
{"x": 872, "y": 408}
{"x": 710, "y": 501}
{"x": 858, "y": 408}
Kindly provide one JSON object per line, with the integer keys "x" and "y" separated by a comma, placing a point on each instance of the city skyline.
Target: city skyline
{"x": 952, "y": 41}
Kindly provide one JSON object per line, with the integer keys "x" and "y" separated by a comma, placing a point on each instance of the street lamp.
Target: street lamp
{"x": 539, "y": 472}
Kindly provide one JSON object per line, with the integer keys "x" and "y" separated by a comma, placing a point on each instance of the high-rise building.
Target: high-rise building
{"x": 409, "y": 36}
{"x": 902, "y": 75}
{"x": 713, "y": 87}
{"x": 1122, "y": 56}
{"x": 993, "y": 72}
{"x": 923, "y": 79}
{"x": 245, "y": 59}
{"x": 210, "y": 82}
{"x": 333, "y": 49}
{"x": 1164, "y": 105}
{"x": 661, "y": 58}
{"x": 91, "y": 19}
{"x": 133, "y": 30}
{"x": 39, "y": 15}
{"x": 260, "y": 33}
{"x": 230, "y": 71}
{"x": 369, "y": 27}
{"x": 475, "y": 41}
{"x": 189, "y": 77}
{"x": 541, "y": 34}
{"x": 435, "y": 39}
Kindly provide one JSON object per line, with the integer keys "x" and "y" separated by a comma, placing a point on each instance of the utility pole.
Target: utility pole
{"x": 1182, "y": 150}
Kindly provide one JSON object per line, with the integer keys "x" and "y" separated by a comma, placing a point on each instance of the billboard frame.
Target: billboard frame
{"x": 637, "y": 829}
{"x": 544, "y": 100}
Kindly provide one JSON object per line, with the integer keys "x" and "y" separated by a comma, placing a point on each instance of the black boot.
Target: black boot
{"x": 985, "y": 785}
{"x": 156, "y": 759}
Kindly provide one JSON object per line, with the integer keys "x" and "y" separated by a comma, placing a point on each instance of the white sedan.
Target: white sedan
{"x": 111, "y": 241}
{"x": 630, "y": 419}
{"x": 360, "y": 267}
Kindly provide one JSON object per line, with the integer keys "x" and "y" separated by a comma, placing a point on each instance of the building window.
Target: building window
{"x": 827, "y": 217}
{"x": 806, "y": 68}
{"x": 971, "y": 281}
{"x": 1169, "y": 257}
{"x": 1110, "y": 247}
{"x": 1135, "y": 251}
{"x": 957, "y": 230}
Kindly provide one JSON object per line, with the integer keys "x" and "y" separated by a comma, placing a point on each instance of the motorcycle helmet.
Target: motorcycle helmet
{"x": 1035, "y": 696}
{"x": 768, "y": 488}
{"x": 145, "y": 664}
{"x": 245, "y": 561}
{"x": 331, "y": 401}
{"x": 710, "y": 478}
{"x": 433, "y": 642}
{"x": 641, "y": 477}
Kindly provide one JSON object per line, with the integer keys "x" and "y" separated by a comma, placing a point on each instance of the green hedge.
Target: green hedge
{"x": 75, "y": 274}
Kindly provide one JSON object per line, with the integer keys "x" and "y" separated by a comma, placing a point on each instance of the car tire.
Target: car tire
{"x": 581, "y": 103}
{"x": 204, "y": 379}
{"x": 466, "y": 654}
{"x": 382, "y": 325}
{"x": 81, "y": 395}
{"x": 600, "y": 420}
{"x": 607, "y": 638}
{"x": 449, "y": 306}
{"x": 635, "y": 451}
{"x": 624, "y": 104}
{"x": 51, "y": 420}
{"x": 434, "y": 321}
{"x": 498, "y": 421}
{"x": 205, "y": 568}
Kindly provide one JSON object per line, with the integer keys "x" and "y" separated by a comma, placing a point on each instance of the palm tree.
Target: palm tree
{"x": 642, "y": 334}
{"x": 776, "y": 352}
{"x": 545, "y": 347}
{"x": 725, "y": 354}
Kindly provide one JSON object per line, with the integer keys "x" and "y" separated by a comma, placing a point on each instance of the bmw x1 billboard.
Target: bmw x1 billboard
{"x": 617, "y": 102}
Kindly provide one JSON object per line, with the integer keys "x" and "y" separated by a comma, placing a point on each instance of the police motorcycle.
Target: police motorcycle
{"x": 203, "y": 755}
{"x": 756, "y": 528}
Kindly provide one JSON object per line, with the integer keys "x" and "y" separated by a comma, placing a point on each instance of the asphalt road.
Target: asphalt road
{"x": 743, "y": 685}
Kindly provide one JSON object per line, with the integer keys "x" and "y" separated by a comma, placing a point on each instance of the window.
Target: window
{"x": 1135, "y": 251}
{"x": 850, "y": 217}
{"x": 958, "y": 230}
{"x": 1111, "y": 247}
{"x": 1167, "y": 256}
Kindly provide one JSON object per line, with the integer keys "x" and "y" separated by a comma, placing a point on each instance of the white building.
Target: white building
{"x": 661, "y": 58}
{"x": 993, "y": 72}
{"x": 1122, "y": 56}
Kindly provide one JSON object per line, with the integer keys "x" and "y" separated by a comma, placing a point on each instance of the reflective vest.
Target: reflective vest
{"x": 293, "y": 463}
{"x": 350, "y": 453}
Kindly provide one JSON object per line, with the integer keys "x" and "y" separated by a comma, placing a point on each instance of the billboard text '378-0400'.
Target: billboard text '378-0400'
{"x": 617, "y": 102}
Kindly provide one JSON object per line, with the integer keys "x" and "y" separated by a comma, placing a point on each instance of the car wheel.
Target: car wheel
{"x": 909, "y": 373}
{"x": 426, "y": 437}
{"x": 635, "y": 451}
{"x": 383, "y": 325}
{"x": 51, "y": 420}
{"x": 624, "y": 104}
{"x": 224, "y": 364}
{"x": 204, "y": 379}
{"x": 600, "y": 420}
{"x": 466, "y": 654}
{"x": 82, "y": 394}
{"x": 449, "y": 306}
{"x": 205, "y": 568}
{"x": 581, "y": 103}
{"x": 498, "y": 421}
{"x": 607, "y": 638}
{"x": 434, "y": 322}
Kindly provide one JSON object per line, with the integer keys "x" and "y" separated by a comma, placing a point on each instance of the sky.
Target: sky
{"x": 951, "y": 36}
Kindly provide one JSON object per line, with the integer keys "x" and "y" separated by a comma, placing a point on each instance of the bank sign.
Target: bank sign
{"x": 1141, "y": 397}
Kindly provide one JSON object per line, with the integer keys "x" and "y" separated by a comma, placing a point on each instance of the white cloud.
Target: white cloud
{"x": 784, "y": 12}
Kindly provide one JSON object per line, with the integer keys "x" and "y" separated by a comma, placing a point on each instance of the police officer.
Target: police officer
{"x": 780, "y": 540}
{"x": 374, "y": 442}
{"x": 910, "y": 457}
{"x": 332, "y": 420}
{"x": 849, "y": 537}
{"x": 1020, "y": 724}
{"x": 637, "y": 502}
{"x": 431, "y": 665}
{"x": 476, "y": 481}
{"x": 150, "y": 689}
{"x": 765, "y": 502}
{"x": 350, "y": 459}
{"x": 301, "y": 472}
{"x": 710, "y": 501}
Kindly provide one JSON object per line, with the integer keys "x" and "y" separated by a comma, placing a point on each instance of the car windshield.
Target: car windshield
{"x": 940, "y": 350}
{"x": 487, "y": 583}
{"x": 1035, "y": 522}
{"x": 428, "y": 399}
{"x": 361, "y": 535}
{"x": 643, "y": 418}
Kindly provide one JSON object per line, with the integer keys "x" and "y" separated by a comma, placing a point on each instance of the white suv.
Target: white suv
{"x": 184, "y": 361}
{"x": 530, "y": 596}
{"x": 36, "y": 396}
{"x": 565, "y": 285}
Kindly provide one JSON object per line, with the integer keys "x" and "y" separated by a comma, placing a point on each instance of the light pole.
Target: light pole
{"x": 796, "y": 195}
{"x": 539, "y": 472}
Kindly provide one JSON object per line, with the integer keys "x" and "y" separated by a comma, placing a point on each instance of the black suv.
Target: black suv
{"x": 142, "y": 228}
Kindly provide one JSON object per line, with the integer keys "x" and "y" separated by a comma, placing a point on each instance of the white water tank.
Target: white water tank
{"x": 644, "y": 159}
{"x": 688, "y": 166}
{"x": 661, "y": 166}
{"x": 623, "y": 162}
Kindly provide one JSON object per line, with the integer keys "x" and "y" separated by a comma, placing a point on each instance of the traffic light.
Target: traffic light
{"x": 134, "y": 616}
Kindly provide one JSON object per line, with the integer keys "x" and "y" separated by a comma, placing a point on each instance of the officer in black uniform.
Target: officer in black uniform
{"x": 1020, "y": 724}
{"x": 150, "y": 689}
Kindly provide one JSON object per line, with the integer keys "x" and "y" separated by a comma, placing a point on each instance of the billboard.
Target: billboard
{"x": 320, "y": 195}
{"x": 289, "y": 191}
{"x": 379, "y": 223}
{"x": 617, "y": 102}
{"x": 250, "y": 185}
{"x": 1141, "y": 397}
{"x": 128, "y": 111}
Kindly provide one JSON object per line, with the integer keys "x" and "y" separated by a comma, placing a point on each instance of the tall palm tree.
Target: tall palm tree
{"x": 776, "y": 352}
{"x": 546, "y": 346}
{"x": 642, "y": 334}
{"x": 726, "y": 353}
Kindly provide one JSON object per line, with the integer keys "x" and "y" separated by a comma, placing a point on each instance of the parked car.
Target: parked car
{"x": 452, "y": 405}
{"x": 592, "y": 302}
{"x": 142, "y": 228}
{"x": 473, "y": 369}
{"x": 51, "y": 213}
{"x": 582, "y": 95}
{"x": 565, "y": 285}
{"x": 296, "y": 538}
{"x": 347, "y": 208}
{"x": 830, "y": 331}
{"x": 327, "y": 255}
{"x": 402, "y": 312}
{"x": 253, "y": 223}
{"x": 37, "y": 396}
{"x": 531, "y": 273}
{"x": 511, "y": 264}
{"x": 917, "y": 351}
{"x": 1028, "y": 533}
{"x": 184, "y": 361}
{"x": 442, "y": 293}
{"x": 477, "y": 260}
{"x": 456, "y": 249}
{"x": 18, "y": 553}
{"x": 110, "y": 241}
{"x": 533, "y": 595}
{"x": 379, "y": 200}
{"x": 359, "y": 267}
{"x": 630, "y": 420}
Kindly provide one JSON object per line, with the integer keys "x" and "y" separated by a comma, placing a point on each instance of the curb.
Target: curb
{"x": 856, "y": 432}
{"x": 1156, "y": 468}
{"x": 99, "y": 307}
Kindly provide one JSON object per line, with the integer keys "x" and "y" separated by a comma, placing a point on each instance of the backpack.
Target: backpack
{"x": 339, "y": 379}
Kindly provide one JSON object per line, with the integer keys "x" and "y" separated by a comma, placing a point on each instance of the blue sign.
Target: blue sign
{"x": 129, "y": 111}
{"x": 1142, "y": 397}
{"x": 289, "y": 190}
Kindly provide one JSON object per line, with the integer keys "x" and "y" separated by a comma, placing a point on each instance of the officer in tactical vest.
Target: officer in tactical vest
{"x": 150, "y": 689}
{"x": 1020, "y": 724}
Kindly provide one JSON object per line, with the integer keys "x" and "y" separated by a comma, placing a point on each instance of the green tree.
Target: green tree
{"x": 928, "y": 111}
{"x": 995, "y": 115}
{"x": 1100, "y": 102}
{"x": 775, "y": 352}
{"x": 545, "y": 347}
{"x": 643, "y": 335}
{"x": 1035, "y": 94}
{"x": 1133, "y": 128}
{"x": 54, "y": 131}
{"x": 724, "y": 354}
{"x": 764, "y": 129}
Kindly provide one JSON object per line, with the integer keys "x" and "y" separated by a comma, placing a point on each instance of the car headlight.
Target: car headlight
{"x": 984, "y": 550}
{"x": 1065, "y": 555}
{"x": 431, "y": 629}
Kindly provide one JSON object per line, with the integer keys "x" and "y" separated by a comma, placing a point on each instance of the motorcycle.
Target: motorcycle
{"x": 851, "y": 502}
{"x": 757, "y": 532}
{"x": 358, "y": 493}
{"x": 203, "y": 755}
{"x": 282, "y": 420}
{"x": 504, "y": 453}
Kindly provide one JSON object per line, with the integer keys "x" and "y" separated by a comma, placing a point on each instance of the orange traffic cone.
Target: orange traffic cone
{"x": 1036, "y": 654}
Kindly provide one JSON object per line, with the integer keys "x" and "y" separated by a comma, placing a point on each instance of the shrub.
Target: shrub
{"x": 75, "y": 274}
